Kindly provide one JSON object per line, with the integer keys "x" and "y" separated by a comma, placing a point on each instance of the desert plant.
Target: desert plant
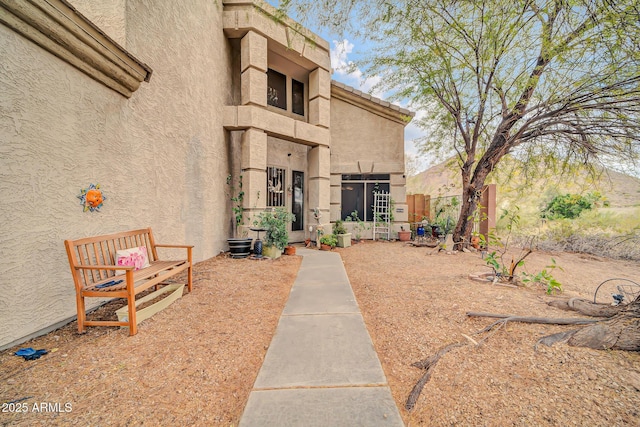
{"x": 545, "y": 277}
{"x": 496, "y": 259}
{"x": 275, "y": 223}
{"x": 329, "y": 239}
{"x": 339, "y": 227}
{"x": 359, "y": 227}
{"x": 569, "y": 205}
{"x": 237, "y": 202}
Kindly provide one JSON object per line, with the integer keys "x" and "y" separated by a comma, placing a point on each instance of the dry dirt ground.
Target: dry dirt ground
{"x": 195, "y": 362}
{"x": 414, "y": 304}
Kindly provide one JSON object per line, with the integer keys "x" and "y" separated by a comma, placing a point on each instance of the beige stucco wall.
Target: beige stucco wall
{"x": 358, "y": 135}
{"x": 110, "y": 16}
{"x": 367, "y": 139}
{"x": 160, "y": 156}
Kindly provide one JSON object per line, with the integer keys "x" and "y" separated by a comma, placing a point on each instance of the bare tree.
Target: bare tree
{"x": 550, "y": 80}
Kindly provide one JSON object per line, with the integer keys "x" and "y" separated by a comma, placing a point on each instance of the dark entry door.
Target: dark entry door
{"x": 297, "y": 202}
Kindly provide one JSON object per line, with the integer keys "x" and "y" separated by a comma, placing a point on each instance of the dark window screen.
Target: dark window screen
{"x": 297, "y": 97}
{"x": 358, "y": 196}
{"x": 352, "y": 199}
{"x": 276, "y": 89}
{"x": 372, "y": 188}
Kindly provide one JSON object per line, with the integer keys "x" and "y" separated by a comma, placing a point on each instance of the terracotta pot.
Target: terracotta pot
{"x": 404, "y": 236}
{"x": 475, "y": 242}
{"x": 290, "y": 250}
{"x": 324, "y": 247}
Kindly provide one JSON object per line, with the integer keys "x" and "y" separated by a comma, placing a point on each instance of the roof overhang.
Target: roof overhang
{"x": 370, "y": 103}
{"x": 56, "y": 26}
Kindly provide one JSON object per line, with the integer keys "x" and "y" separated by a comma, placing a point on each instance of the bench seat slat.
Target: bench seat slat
{"x": 154, "y": 269}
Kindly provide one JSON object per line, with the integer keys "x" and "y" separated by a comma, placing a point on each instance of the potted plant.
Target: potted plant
{"x": 239, "y": 245}
{"x": 404, "y": 235}
{"x": 328, "y": 242}
{"x": 276, "y": 235}
{"x": 359, "y": 226}
{"x": 343, "y": 237}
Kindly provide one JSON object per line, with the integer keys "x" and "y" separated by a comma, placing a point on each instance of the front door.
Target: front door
{"x": 297, "y": 201}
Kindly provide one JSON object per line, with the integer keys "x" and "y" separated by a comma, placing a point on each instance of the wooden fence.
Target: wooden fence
{"x": 419, "y": 206}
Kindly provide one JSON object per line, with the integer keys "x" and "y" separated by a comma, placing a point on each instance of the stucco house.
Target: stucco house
{"x": 159, "y": 102}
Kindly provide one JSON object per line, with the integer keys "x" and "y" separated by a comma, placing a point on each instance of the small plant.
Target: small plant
{"x": 496, "y": 259}
{"x": 339, "y": 227}
{"x": 237, "y": 206}
{"x": 359, "y": 227}
{"x": 545, "y": 278}
{"x": 275, "y": 224}
{"x": 329, "y": 239}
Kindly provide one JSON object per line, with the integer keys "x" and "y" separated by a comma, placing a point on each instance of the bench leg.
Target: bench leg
{"x": 82, "y": 314}
{"x": 133, "y": 325}
{"x": 190, "y": 269}
{"x": 131, "y": 303}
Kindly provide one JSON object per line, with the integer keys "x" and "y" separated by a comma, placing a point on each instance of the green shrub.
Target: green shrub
{"x": 339, "y": 227}
{"x": 329, "y": 239}
{"x": 569, "y": 205}
{"x": 275, "y": 224}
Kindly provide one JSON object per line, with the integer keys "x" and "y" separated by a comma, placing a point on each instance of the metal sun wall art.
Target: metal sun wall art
{"x": 92, "y": 198}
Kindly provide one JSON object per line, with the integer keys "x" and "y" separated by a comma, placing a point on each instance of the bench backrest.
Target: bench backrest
{"x": 101, "y": 250}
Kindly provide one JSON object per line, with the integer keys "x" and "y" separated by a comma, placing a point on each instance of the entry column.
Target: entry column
{"x": 320, "y": 185}
{"x": 254, "y": 172}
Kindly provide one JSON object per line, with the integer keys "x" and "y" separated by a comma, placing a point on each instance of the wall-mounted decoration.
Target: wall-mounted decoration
{"x": 92, "y": 198}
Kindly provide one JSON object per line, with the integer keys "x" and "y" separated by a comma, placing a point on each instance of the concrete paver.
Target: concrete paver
{"x": 322, "y": 407}
{"x": 312, "y": 351}
{"x": 321, "y": 368}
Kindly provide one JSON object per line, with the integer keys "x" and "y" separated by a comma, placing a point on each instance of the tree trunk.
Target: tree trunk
{"x": 587, "y": 307}
{"x": 470, "y": 198}
{"x": 621, "y": 332}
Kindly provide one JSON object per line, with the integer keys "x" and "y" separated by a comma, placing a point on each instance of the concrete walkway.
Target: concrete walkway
{"x": 321, "y": 368}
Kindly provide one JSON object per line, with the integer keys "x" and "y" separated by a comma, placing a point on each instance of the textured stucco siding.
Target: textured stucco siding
{"x": 160, "y": 157}
{"x": 359, "y": 135}
{"x": 109, "y": 16}
{"x": 365, "y": 142}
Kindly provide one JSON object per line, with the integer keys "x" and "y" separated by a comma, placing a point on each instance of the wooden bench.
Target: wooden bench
{"x": 96, "y": 275}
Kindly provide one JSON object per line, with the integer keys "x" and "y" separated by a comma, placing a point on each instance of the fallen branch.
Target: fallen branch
{"x": 427, "y": 364}
{"x": 524, "y": 319}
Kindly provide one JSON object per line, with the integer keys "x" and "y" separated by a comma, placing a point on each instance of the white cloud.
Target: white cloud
{"x": 346, "y": 72}
{"x": 339, "y": 56}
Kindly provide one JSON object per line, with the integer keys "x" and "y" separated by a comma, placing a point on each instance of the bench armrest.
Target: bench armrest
{"x": 174, "y": 246}
{"x": 104, "y": 267}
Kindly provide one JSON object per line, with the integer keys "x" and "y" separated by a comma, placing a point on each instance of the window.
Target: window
{"x": 357, "y": 193}
{"x": 297, "y": 97}
{"x": 276, "y": 89}
{"x": 275, "y": 186}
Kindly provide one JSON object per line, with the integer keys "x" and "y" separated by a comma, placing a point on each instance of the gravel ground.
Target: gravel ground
{"x": 415, "y": 302}
{"x": 195, "y": 362}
